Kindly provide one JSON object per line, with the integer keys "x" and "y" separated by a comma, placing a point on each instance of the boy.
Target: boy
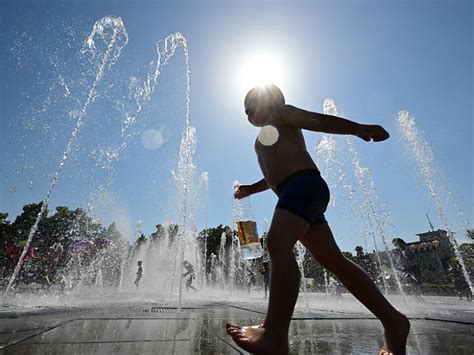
{"x": 139, "y": 274}
{"x": 303, "y": 196}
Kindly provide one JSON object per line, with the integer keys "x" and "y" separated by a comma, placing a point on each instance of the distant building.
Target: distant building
{"x": 430, "y": 256}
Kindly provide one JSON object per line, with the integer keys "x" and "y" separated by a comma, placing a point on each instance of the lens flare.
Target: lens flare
{"x": 268, "y": 135}
{"x": 152, "y": 139}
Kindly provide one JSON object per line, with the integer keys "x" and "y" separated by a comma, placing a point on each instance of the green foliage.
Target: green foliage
{"x": 210, "y": 239}
{"x": 348, "y": 255}
{"x": 66, "y": 227}
{"x": 22, "y": 243}
{"x": 5, "y": 231}
{"x": 470, "y": 233}
{"x": 159, "y": 233}
{"x": 314, "y": 270}
{"x": 113, "y": 234}
{"x": 3, "y": 218}
{"x": 168, "y": 232}
{"x": 140, "y": 241}
{"x": 23, "y": 223}
{"x": 209, "y": 242}
{"x": 467, "y": 253}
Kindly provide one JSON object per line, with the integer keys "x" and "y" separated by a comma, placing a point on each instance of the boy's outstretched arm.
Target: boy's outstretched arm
{"x": 320, "y": 122}
{"x": 247, "y": 190}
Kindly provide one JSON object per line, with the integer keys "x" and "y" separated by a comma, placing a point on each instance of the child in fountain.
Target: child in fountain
{"x": 189, "y": 271}
{"x": 303, "y": 196}
{"x": 139, "y": 274}
{"x": 53, "y": 261}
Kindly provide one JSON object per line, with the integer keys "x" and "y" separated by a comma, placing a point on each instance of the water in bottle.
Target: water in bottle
{"x": 250, "y": 247}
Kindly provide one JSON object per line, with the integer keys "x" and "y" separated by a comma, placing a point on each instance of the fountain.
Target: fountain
{"x": 111, "y": 31}
{"x": 202, "y": 258}
{"x": 432, "y": 176}
{"x": 332, "y": 152}
{"x": 103, "y": 47}
{"x": 222, "y": 262}
{"x": 102, "y": 270}
{"x": 175, "y": 241}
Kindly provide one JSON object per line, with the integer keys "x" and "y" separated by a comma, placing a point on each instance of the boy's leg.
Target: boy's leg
{"x": 320, "y": 242}
{"x": 272, "y": 338}
{"x": 286, "y": 229}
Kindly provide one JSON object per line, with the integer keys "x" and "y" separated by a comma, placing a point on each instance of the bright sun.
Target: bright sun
{"x": 259, "y": 70}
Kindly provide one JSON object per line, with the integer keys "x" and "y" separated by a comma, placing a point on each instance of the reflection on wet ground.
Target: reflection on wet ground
{"x": 153, "y": 328}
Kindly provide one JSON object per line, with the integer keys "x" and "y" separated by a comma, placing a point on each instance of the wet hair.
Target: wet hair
{"x": 266, "y": 93}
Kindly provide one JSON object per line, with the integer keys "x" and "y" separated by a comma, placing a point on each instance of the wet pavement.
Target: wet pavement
{"x": 198, "y": 328}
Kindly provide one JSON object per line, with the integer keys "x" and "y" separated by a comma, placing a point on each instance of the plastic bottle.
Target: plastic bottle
{"x": 250, "y": 247}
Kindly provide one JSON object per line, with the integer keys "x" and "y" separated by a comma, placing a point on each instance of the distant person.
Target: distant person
{"x": 303, "y": 196}
{"x": 139, "y": 274}
{"x": 189, "y": 272}
{"x": 334, "y": 287}
{"x": 53, "y": 260}
{"x": 461, "y": 286}
{"x": 405, "y": 261}
{"x": 30, "y": 270}
{"x": 265, "y": 271}
{"x": 252, "y": 279}
{"x": 31, "y": 254}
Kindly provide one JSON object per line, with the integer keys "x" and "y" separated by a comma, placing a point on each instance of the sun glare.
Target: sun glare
{"x": 260, "y": 70}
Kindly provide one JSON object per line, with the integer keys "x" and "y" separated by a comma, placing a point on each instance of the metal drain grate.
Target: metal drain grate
{"x": 172, "y": 309}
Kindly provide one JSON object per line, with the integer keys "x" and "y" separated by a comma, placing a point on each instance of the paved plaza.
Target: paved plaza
{"x": 140, "y": 326}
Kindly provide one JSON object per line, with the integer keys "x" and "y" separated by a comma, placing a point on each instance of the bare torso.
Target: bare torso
{"x": 286, "y": 156}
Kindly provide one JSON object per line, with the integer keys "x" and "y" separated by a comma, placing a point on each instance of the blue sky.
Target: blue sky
{"x": 373, "y": 58}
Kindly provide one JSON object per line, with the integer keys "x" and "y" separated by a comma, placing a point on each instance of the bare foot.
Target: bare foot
{"x": 396, "y": 334}
{"x": 233, "y": 328}
{"x": 255, "y": 340}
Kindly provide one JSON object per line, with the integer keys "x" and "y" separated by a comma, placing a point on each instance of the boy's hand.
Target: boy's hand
{"x": 372, "y": 132}
{"x": 242, "y": 191}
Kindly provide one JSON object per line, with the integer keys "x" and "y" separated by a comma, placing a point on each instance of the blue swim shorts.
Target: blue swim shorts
{"x": 306, "y": 194}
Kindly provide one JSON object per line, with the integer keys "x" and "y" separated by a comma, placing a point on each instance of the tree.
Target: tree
{"x": 5, "y": 231}
{"x": 113, "y": 256}
{"x": 139, "y": 242}
{"x": 470, "y": 233}
{"x": 113, "y": 234}
{"x": 314, "y": 270}
{"x": 213, "y": 238}
{"x": 158, "y": 234}
{"x": 56, "y": 228}
{"x": 209, "y": 241}
{"x": 66, "y": 227}
{"x": 23, "y": 223}
{"x": 467, "y": 253}
{"x": 365, "y": 261}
